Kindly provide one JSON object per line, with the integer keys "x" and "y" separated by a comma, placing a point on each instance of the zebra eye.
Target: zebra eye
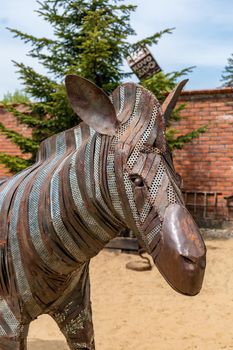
{"x": 137, "y": 180}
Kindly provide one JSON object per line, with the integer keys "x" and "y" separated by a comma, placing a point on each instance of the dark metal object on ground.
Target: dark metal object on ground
{"x": 106, "y": 175}
{"x": 123, "y": 243}
{"x": 145, "y": 258}
{"x": 140, "y": 265}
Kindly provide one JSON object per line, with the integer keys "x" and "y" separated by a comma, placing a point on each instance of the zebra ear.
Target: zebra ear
{"x": 91, "y": 104}
{"x": 170, "y": 102}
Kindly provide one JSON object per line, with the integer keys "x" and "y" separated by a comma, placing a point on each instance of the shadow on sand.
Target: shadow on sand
{"x": 37, "y": 344}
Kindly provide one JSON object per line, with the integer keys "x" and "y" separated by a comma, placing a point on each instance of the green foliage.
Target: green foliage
{"x": 14, "y": 163}
{"x": 227, "y": 76}
{"x": 149, "y": 41}
{"x": 162, "y": 83}
{"x": 91, "y": 39}
{"x": 180, "y": 141}
{"x": 17, "y": 97}
{"x": 27, "y": 145}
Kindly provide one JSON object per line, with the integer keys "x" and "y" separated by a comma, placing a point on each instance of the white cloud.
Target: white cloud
{"x": 192, "y": 52}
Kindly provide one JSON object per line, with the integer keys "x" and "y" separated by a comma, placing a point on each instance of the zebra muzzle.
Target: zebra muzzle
{"x": 180, "y": 252}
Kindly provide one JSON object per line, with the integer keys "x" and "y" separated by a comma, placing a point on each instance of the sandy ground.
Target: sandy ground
{"x": 138, "y": 310}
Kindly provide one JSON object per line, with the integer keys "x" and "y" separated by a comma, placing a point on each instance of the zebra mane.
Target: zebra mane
{"x": 138, "y": 108}
{"x": 50, "y": 147}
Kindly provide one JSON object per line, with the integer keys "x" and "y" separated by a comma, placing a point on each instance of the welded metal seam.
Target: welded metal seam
{"x": 98, "y": 194}
{"x": 122, "y": 100}
{"x": 10, "y": 184}
{"x": 2, "y": 331}
{"x": 96, "y": 231}
{"x": 112, "y": 186}
{"x": 9, "y": 317}
{"x": 103, "y": 235}
{"x": 33, "y": 203}
{"x": 57, "y": 221}
{"x": 125, "y": 125}
{"x": 111, "y": 178}
{"x": 152, "y": 124}
{"x": 154, "y": 232}
{"x": 153, "y": 190}
{"x": 130, "y": 195}
{"x": 21, "y": 277}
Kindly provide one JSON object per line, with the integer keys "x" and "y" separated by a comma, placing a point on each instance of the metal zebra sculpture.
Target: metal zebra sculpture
{"x": 112, "y": 172}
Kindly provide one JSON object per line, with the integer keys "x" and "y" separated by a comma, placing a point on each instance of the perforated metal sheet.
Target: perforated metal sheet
{"x": 9, "y": 185}
{"x": 2, "y": 331}
{"x": 58, "y": 224}
{"x": 95, "y": 229}
{"x": 135, "y": 154}
{"x": 171, "y": 195}
{"x": 112, "y": 186}
{"x": 9, "y": 317}
{"x": 122, "y": 100}
{"x": 153, "y": 190}
{"x": 21, "y": 278}
{"x": 96, "y": 176}
{"x": 33, "y": 219}
{"x": 125, "y": 125}
{"x": 153, "y": 233}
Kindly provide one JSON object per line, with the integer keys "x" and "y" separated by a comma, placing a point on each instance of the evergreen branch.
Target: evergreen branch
{"x": 26, "y": 144}
{"x": 175, "y": 116}
{"x": 227, "y": 76}
{"x": 183, "y": 72}
{"x": 25, "y": 117}
{"x": 37, "y": 85}
{"x": 90, "y": 39}
{"x": 14, "y": 163}
{"x": 39, "y": 43}
{"x": 162, "y": 83}
{"x": 150, "y": 40}
{"x": 180, "y": 141}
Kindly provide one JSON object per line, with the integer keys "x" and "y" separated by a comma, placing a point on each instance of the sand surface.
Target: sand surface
{"x": 138, "y": 310}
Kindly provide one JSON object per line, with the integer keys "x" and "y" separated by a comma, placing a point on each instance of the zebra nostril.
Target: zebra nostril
{"x": 189, "y": 259}
{"x": 201, "y": 262}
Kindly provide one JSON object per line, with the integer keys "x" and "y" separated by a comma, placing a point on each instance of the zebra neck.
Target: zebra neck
{"x": 87, "y": 210}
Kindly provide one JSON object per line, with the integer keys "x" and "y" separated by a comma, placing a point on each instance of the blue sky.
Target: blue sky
{"x": 203, "y": 37}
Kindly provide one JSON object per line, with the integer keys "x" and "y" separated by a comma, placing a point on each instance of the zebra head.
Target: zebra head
{"x": 147, "y": 187}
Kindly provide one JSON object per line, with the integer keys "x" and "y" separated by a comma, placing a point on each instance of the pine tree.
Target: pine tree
{"x": 227, "y": 76}
{"x": 91, "y": 39}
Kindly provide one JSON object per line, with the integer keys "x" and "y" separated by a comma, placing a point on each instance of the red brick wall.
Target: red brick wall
{"x": 6, "y": 145}
{"x": 206, "y": 163}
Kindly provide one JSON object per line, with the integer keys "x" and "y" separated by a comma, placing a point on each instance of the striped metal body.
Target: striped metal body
{"x": 60, "y": 212}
